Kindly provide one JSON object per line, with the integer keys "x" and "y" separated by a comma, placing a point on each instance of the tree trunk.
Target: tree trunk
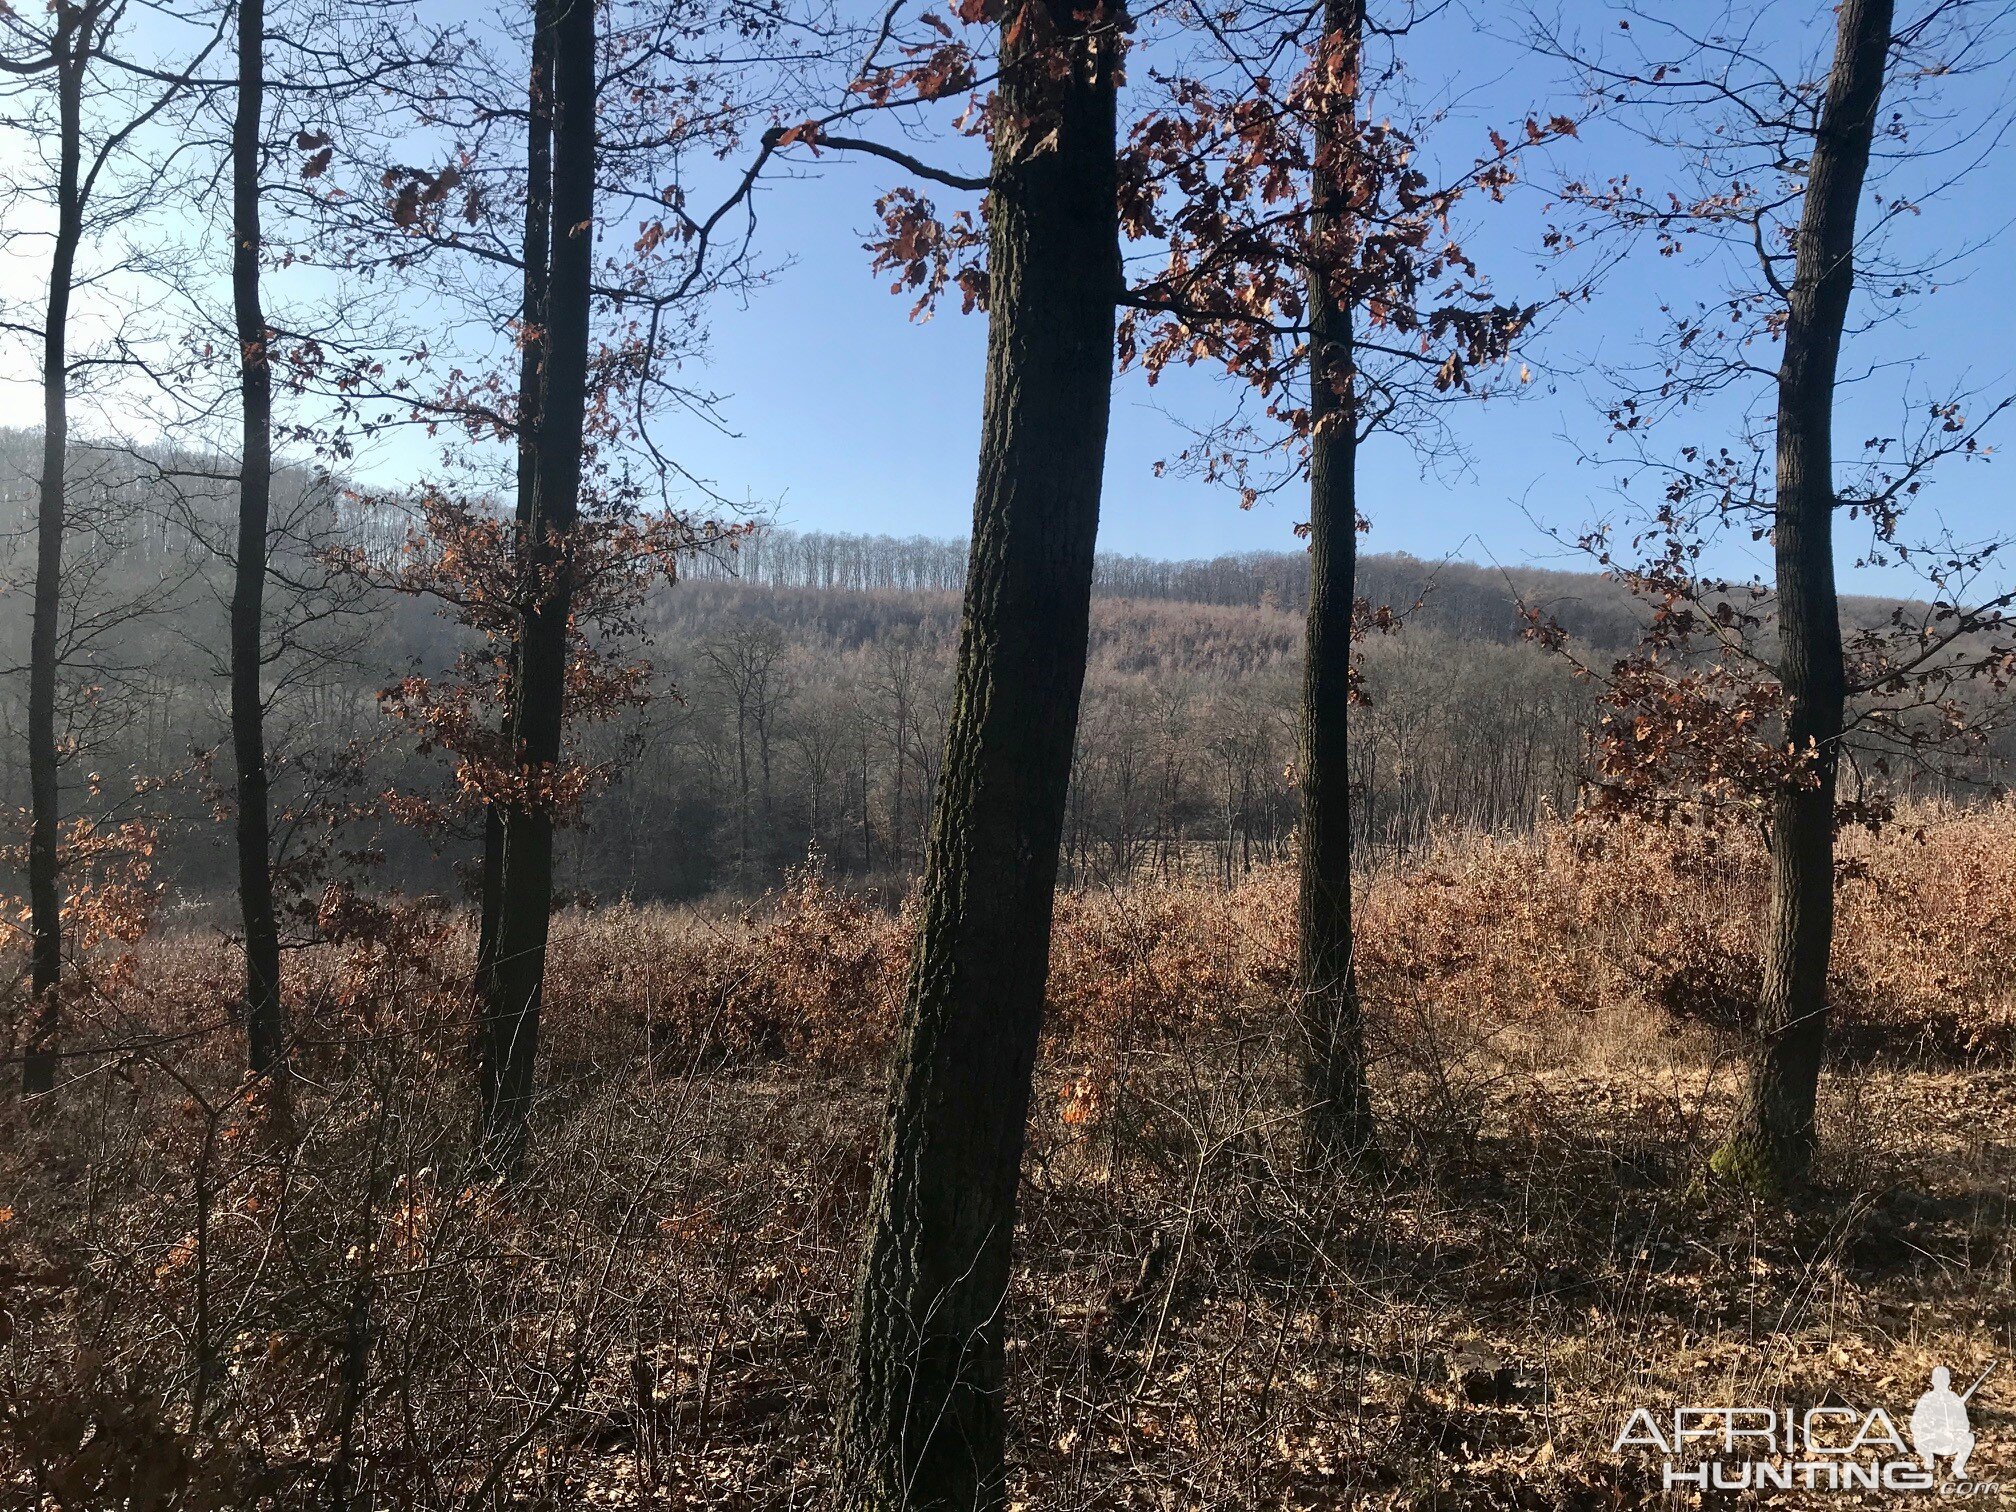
{"x": 265, "y": 1016}
{"x": 510, "y": 1039}
{"x": 1771, "y": 1144}
{"x": 742, "y": 790}
{"x": 1337, "y": 1115}
{"x": 537, "y": 252}
{"x": 898, "y": 837}
{"x": 45, "y": 899}
{"x": 923, "y": 1423}
{"x": 867, "y": 818}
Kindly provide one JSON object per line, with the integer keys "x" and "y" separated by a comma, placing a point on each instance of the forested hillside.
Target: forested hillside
{"x": 803, "y": 682}
{"x": 813, "y": 675}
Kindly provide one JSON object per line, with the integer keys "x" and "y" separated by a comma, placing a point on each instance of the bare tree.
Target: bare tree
{"x": 265, "y": 1015}
{"x": 748, "y": 666}
{"x": 1773, "y": 1137}
{"x": 97, "y": 111}
{"x": 1334, "y": 1083}
{"x": 509, "y": 1041}
{"x": 1339, "y": 298}
{"x": 922, "y": 1424}
{"x": 1784, "y": 163}
{"x": 489, "y": 229}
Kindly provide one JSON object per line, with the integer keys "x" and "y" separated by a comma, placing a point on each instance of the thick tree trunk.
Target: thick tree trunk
{"x": 45, "y": 898}
{"x": 510, "y": 1039}
{"x": 265, "y": 1017}
{"x": 538, "y": 251}
{"x": 1771, "y": 1144}
{"x": 923, "y": 1423}
{"x": 1337, "y": 1116}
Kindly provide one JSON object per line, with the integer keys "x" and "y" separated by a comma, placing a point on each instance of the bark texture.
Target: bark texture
{"x": 265, "y": 1016}
{"x": 923, "y": 1424}
{"x": 538, "y": 252}
{"x": 509, "y": 1042}
{"x": 74, "y": 38}
{"x": 1771, "y": 1144}
{"x": 1337, "y": 1116}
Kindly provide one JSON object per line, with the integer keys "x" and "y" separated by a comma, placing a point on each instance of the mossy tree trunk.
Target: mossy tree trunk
{"x": 509, "y": 1042}
{"x": 1337, "y": 1115}
{"x": 923, "y": 1425}
{"x": 1771, "y": 1144}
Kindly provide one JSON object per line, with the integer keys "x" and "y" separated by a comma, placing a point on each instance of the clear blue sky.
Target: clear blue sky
{"x": 853, "y": 418}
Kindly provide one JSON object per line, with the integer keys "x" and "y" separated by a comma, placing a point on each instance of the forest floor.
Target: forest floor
{"x": 1193, "y": 1328}
{"x": 232, "y": 1310}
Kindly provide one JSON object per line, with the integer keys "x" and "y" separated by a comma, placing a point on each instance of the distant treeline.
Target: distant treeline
{"x": 1473, "y": 601}
{"x": 803, "y": 687}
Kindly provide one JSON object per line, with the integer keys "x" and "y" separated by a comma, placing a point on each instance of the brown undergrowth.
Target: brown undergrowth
{"x": 211, "y": 1305}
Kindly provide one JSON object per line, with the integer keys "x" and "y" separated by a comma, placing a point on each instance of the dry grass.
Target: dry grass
{"x": 211, "y": 1311}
